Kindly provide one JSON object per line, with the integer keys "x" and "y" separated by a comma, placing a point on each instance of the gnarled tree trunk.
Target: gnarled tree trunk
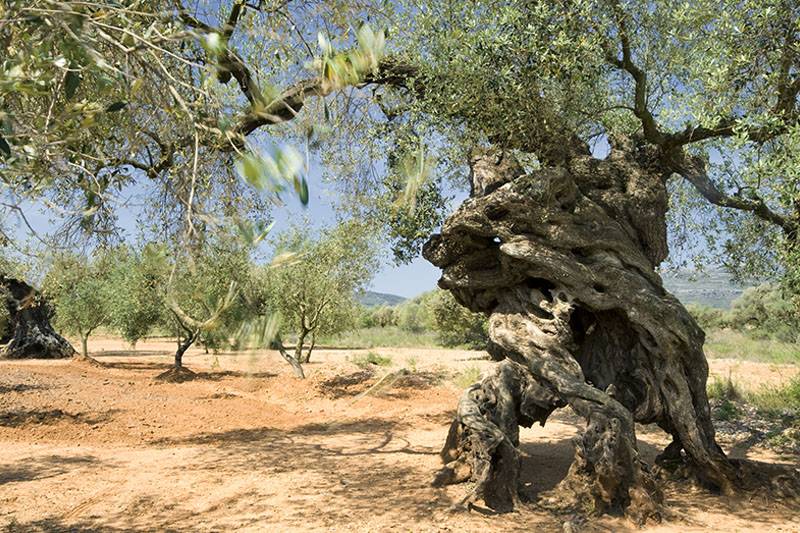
{"x": 563, "y": 261}
{"x": 32, "y": 335}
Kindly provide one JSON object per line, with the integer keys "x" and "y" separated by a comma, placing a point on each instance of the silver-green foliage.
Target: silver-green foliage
{"x": 80, "y": 288}
{"x": 313, "y": 291}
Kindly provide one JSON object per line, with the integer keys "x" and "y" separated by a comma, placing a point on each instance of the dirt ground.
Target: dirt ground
{"x": 248, "y": 447}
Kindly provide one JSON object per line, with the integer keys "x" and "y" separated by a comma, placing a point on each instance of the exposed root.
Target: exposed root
{"x": 86, "y": 360}
{"x": 176, "y": 374}
{"x": 483, "y": 441}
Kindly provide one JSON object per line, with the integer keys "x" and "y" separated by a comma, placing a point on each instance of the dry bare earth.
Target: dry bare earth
{"x": 248, "y": 447}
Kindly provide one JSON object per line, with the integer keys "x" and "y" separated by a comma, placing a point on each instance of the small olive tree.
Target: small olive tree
{"x": 202, "y": 296}
{"x": 138, "y": 279}
{"x": 81, "y": 290}
{"x": 766, "y": 311}
{"x": 314, "y": 292}
{"x": 455, "y": 325}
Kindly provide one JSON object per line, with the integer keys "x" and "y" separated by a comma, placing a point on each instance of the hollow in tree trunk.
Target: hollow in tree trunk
{"x": 563, "y": 261}
{"x": 32, "y": 334}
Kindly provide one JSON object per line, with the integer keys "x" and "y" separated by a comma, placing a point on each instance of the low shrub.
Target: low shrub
{"x": 467, "y": 377}
{"x": 371, "y": 359}
{"x": 778, "y": 401}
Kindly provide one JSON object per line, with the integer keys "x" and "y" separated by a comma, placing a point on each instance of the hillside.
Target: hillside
{"x": 375, "y": 299}
{"x": 714, "y": 288}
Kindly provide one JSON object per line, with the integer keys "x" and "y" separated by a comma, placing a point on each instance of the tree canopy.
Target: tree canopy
{"x": 312, "y": 283}
{"x": 166, "y": 94}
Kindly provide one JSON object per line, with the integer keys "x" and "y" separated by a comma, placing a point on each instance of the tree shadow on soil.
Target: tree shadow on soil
{"x": 43, "y": 467}
{"x": 19, "y": 418}
{"x": 334, "y": 473}
{"x": 336, "y": 455}
{"x": 149, "y": 367}
{"x": 59, "y": 525}
{"x": 129, "y": 354}
{"x": 137, "y": 365}
{"x": 20, "y": 387}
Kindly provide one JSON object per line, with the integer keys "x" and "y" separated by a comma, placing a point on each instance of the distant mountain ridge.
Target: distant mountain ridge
{"x": 713, "y": 288}
{"x": 376, "y": 299}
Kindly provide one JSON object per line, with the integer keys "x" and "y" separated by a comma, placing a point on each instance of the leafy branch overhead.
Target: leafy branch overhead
{"x": 101, "y": 95}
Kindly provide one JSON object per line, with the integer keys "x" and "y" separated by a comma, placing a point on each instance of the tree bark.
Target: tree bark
{"x": 298, "y": 349}
{"x": 297, "y": 368}
{"x": 179, "y": 373}
{"x": 182, "y": 347}
{"x": 33, "y": 335}
{"x": 563, "y": 262}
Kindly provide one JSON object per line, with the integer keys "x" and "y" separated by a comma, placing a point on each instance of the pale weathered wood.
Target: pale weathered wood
{"x": 563, "y": 261}
{"x": 31, "y": 334}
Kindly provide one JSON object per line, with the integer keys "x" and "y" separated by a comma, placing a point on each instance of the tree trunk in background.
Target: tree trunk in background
{"x": 563, "y": 262}
{"x": 182, "y": 347}
{"x": 179, "y": 373}
{"x": 297, "y": 368}
{"x": 85, "y": 345}
{"x": 33, "y": 336}
{"x": 298, "y": 349}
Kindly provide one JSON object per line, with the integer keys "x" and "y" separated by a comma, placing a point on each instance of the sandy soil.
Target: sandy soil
{"x": 247, "y": 447}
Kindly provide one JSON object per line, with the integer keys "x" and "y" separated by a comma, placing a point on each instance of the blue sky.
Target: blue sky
{"x": 404, "y": 280}
{"x": 407, "y": 280}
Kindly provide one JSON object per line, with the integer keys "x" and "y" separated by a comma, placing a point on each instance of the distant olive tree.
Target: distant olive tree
{"x": 415, "y": 315}
{"x": 81, "y": 290}
{"x": 708, "y": 317}
{"x": 313, "y": 292}
{"x": 138, "y": 279}
{"x": 201, "y": 295}
{"x": 384, "y": 316}
{"x": 455, "y": 325}
{"x": 766, "y": 311}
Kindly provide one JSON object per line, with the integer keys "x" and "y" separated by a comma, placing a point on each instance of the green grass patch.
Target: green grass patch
{"x": 723, "y": 389}
{"x": 736, "y": 345}
{"x": 371, "y": 359}
{"x": 467, "y": 377}
{"x": 390, "y": 336}
{"x": 777, "y": 401}
{"x": 727, "y": 395}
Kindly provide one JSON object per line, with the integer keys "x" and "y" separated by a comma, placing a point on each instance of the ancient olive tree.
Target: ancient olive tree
{"x": 559, "y": 245}
{"x": 29, "y": 332}
{"x": 25, "y": 316}
{"x": 81, "y": 291}
{"x": 313, "y": 293}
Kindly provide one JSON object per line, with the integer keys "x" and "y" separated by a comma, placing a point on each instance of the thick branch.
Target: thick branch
{"x": 229, "y": 63}
{"x": 651, "y": 130}
{"x": 787, "y": 92}
{"x": 291, "y": 101}
{"x": 693, "y": 169}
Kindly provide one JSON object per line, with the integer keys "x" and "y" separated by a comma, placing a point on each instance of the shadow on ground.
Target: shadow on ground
{"x": 43, "y": 467}
{"x": 19, "y": 418}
